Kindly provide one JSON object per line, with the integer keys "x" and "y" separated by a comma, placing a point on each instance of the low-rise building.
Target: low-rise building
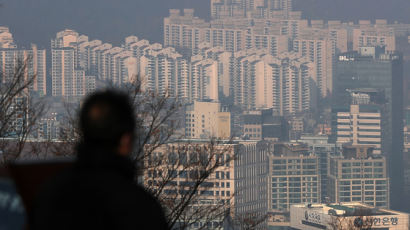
{"x": 263, "y": 124}
{"x": 345, "y": 216}
{"x": 207, "y": 120}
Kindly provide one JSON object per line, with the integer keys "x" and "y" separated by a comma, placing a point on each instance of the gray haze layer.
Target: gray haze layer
{"x": 37, "y": 21}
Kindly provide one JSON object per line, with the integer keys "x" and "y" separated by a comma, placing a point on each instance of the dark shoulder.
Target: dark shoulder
{"x": 106, "y": 198}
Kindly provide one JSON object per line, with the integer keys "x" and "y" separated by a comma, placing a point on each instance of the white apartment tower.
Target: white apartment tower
{"x": 164, "y": 71}
{"x": 242, "y": 8}
{"x": 224, "y": 62}
{"x": 183, "y": 30}
{"x": 71, "y": 65}
{"x": 204, "y": 80}
{"x": 378, "y": 34}
{"x": 263, "y": 81}
{"x": 319, "y": 52}
{"x": 63, "y": 72}
{"x": 6, "y": 38}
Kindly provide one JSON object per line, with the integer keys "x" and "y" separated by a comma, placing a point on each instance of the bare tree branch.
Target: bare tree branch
{"x": 19, "y": 109}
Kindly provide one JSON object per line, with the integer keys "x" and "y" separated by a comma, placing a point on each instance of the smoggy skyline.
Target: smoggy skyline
{"x": 110, "y": 21}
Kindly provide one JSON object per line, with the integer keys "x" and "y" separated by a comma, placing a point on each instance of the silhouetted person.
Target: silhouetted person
{"x": 99, "y": 192}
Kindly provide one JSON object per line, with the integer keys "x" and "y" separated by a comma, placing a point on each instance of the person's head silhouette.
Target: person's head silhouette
{"x": 107, "y": 123}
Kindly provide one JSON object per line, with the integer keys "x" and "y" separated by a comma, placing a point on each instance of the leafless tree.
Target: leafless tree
{"x": 19, "y": 109}
{"x": 180, "y": 177}
{"x": 249, "y": 221}
{"x": 193, "y": 181}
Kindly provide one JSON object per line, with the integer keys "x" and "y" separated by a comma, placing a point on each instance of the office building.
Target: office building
{"x": 263, "y": 124}
{"x": 373, "y": 68}
{"x": 252, "y": 179}
{"x": 359, "y": 176}
{"x": 174, "y": 168}
{"x": 320, "y": 146}
{"x": 295, "y": 177}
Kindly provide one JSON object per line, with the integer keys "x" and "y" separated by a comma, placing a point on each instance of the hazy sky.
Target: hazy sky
{"x": 37, "y": 21}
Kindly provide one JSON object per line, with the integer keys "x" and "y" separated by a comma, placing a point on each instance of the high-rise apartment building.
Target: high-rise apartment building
{"x": 187, "y": 31}
{"x": 65, "y": 38}
{"x": 204, "y": 79}
{"x": 6, "y": 38}
{"x": 93, "y": 54}
{"x": 183, "y": 30}
{"x": 63, "y": 71}
{"x": 165, "y": 71}
{"x": 224, "y": 64}
{"x": 34, "y": 62}
{"x": 264, "y": 81}
{"x": 378, "y": 34}
{"x": 359, "y": 176}
{"x": 71, "y": 61}
{"x": 244, "y": 8}
{"x": 204, "y": 120}
{"x": 371, "y": 67}
{"x": 85, "y": 55}
{"x": 333, "y": 30}
{"x": 319, "y": 52}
